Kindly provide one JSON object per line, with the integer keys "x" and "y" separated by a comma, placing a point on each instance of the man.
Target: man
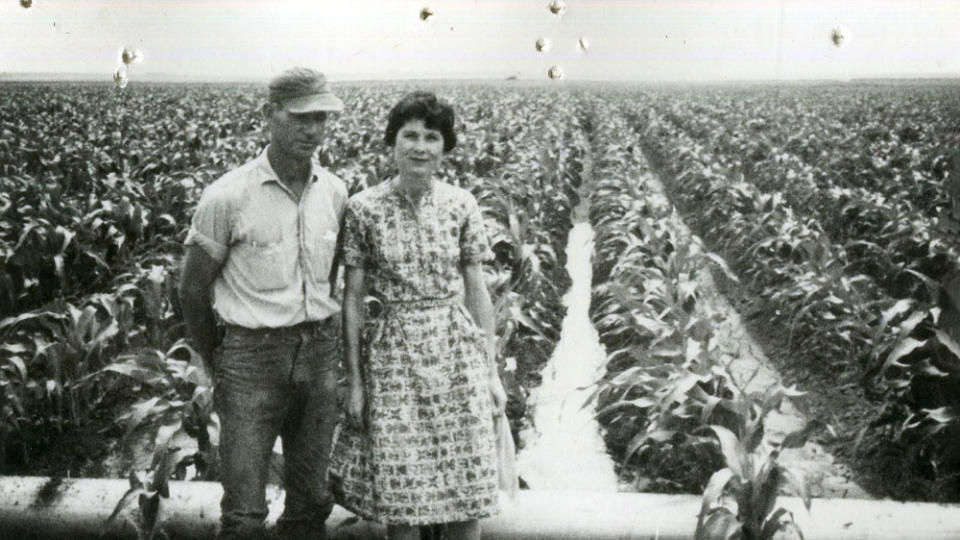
{"x": 260, "y": 256}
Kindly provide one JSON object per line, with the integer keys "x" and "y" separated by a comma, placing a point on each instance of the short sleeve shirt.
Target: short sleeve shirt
{"x": 277, "y": 252}
{"x": 411, "y": 251}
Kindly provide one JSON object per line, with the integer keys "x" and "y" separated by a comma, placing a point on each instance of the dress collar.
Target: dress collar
{"x": 394, "y": 187}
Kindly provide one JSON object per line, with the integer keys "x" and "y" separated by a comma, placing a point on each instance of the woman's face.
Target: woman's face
{"x": 418, "y": 150}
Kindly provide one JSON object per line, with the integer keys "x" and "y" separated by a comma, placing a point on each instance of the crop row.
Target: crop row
{"x": 856, "y": 280}
{"x": 675, "y": 415}
{"x": 664, "y": 379}
{"x": 96, "y": 321}
{"x": 900, "y": 221}
{"x": 786, "y": 258}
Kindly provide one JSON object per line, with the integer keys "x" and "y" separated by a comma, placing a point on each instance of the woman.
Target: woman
{"x": 418, "y": 447}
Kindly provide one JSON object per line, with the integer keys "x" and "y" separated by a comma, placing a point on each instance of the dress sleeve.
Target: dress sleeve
{"x": 356, "y": 248}
{"x": 212, "y": 224}
{"x": 474, "y": 247}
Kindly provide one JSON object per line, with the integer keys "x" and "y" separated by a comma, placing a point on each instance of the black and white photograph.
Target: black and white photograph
{"x": 464, "y": 269}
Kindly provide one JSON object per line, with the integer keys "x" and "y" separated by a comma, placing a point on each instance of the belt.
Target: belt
{"x": 422, "y": 303}
{"x": 390, "y": 310}
{"x": 306, "y": 327}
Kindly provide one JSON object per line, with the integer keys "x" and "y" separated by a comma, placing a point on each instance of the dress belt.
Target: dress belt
{"x": 420, "y": 303}
{"x": 392, "y": 311}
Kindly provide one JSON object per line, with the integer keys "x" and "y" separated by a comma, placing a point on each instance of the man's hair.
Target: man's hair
{"x": 436, "y": 114}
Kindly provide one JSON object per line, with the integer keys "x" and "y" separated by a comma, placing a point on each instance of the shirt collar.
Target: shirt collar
{"x": 267, "y": 174}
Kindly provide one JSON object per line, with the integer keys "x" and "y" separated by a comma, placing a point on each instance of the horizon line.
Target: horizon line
{"x": 154, "y": 77}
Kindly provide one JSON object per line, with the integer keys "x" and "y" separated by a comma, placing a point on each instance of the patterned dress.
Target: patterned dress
{"x": 428, "y": 454}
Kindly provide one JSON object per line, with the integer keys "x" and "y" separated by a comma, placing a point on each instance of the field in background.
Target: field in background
{"x": 836, "y": 206}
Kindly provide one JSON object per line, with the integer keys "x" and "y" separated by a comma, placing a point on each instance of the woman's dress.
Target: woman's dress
{"x": 428, "y": 453}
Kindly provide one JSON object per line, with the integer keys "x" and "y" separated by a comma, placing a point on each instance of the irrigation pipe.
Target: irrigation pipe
{"x": 38, "y": 507}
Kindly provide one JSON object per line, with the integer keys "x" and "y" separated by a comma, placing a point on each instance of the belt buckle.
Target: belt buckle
{"x": 305, "y": 328}
{"x": 316, "y": 327}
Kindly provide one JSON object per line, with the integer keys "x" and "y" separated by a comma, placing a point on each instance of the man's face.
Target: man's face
{"x": 296, "y": 134}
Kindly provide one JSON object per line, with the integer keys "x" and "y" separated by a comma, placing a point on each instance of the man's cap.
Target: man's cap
{"x": 303, "y": 90}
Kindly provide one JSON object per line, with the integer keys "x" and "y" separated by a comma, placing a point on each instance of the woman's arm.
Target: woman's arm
{"x": 353, "y": 294}
{"x": 478, "y": 302}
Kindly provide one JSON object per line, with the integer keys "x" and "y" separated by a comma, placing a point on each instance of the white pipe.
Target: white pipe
{"x": 77, "y": 508}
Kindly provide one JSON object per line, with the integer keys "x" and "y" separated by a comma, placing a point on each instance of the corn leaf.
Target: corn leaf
{"x": 733, "y": 452}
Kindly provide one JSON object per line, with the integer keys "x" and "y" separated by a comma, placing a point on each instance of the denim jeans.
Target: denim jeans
{"x": 268, "y": 383}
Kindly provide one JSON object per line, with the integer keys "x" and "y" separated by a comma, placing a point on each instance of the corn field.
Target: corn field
{"x": 834, "y": 209}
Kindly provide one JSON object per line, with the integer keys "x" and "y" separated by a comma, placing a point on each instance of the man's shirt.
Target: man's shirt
{"x": 277, "y": 251}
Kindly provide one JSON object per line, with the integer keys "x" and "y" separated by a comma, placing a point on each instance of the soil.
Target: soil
{"x": 560, "y": 418}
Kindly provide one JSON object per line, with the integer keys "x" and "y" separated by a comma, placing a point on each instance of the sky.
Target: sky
{"x": 654, "y": 40}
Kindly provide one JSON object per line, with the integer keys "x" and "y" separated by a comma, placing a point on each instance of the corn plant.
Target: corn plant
{"x": 49, "y": 357}
{"x": 141, "y": 506}
{"x": 740, "y": 500}
{"x": 13, "y": 386}
{"x": 917, "y": 367}
{"x": 180, "y": 409}
{"x": 662, "y": 385}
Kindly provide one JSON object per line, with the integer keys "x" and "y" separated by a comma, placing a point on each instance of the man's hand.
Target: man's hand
{"x": 207, "y": 357}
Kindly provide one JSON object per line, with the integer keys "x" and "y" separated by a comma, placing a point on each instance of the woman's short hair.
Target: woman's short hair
{"x": 436, "y": 114}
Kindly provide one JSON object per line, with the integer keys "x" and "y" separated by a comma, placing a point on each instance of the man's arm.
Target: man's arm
{"x": 196, "y": 300}
{"x": 353, "y": 294}
{"x": 334, "y": 271}
{"x": 335, "y": 264}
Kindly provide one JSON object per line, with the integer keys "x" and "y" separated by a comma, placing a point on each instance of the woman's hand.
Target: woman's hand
{"x": 355, "y": 403}
{"x": 498, "y": 396}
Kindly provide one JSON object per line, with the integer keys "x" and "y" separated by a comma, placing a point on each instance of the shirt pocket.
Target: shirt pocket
{"x": 265, "y": 267}
{"x": 322, "y": 249}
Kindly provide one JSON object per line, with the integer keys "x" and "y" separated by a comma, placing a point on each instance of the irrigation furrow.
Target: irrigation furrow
{"x": 562, "y": 448}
